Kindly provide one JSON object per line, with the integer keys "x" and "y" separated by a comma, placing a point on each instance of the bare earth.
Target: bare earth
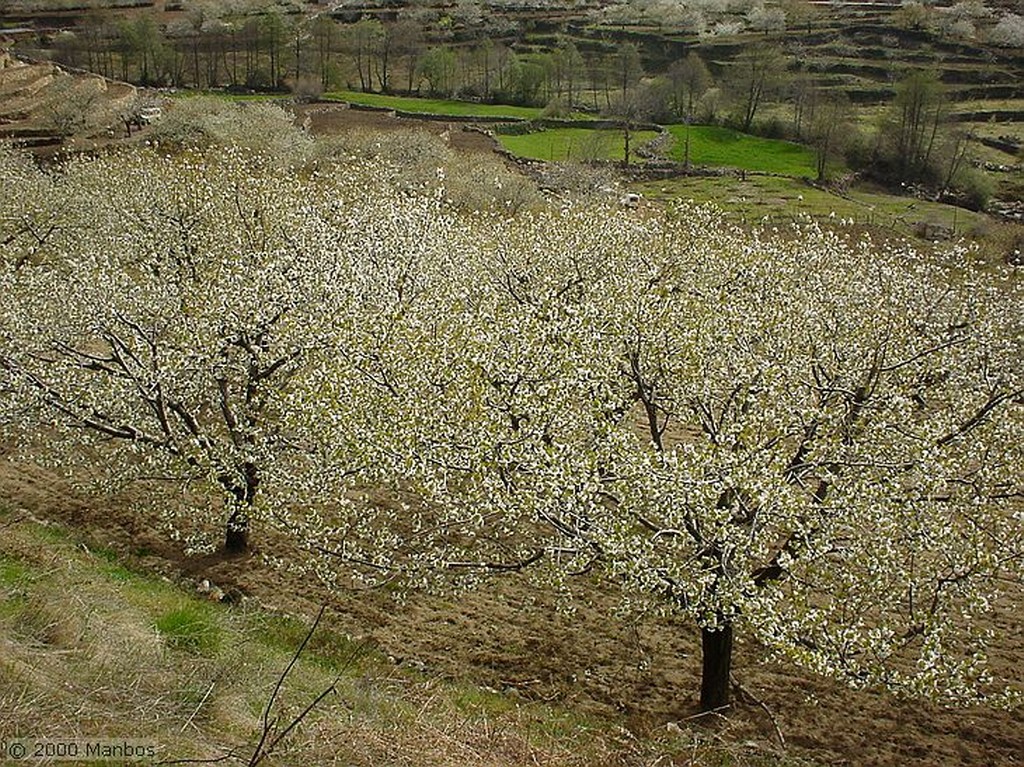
{"x": 512, "y": 637}
{"x": 327, "y": 119}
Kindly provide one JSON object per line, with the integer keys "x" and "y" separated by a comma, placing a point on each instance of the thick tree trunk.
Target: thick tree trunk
{"x": 716, "y": 648}
{"x": 236, "y": 538}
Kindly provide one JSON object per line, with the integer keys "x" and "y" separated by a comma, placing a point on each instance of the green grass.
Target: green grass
{"x": 434, "y": 106}
{"x": 480, "y": 703}
{"x": 81, "y": 647}
{"x": 724, "y": 147}
{"x": 328, "y": 649}
{"x": 781, "y": 199}
{"x": 580, "y": 144}
{"x": 192, "y": 627}
{"x": 12, "y": 572}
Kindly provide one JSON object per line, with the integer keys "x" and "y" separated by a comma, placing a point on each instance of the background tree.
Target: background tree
{"x": 526, "y": 77}
{"x": 567, "y": 69}
{"x": 408, "y": 47}
{"x": 438, "y": 67}
{"x": 388, "y": 45}
{"x": 916, "y": 118}
{"x": 1009, "y": 31}
{"x": 142, "y": 45}
{"x": 960, "y": 20}
{"x": 763, "y": 19}
{"x": 361, "y": 41}
{"x": 753, "y": 77}
{"x": 275, "y": 31}
{"x": 628, "y": 68}
{"x": 326, "y": 42}
{"x": 805, "y": 95}
{"x": 630, "y": 111}
{"x": 914, "y": 15}
{"x": 832, "y": 129}
{"x": 76, "y": 107}
{"x": 690, "y": 80}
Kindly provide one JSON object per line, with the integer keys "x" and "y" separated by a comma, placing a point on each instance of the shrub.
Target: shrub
{"x": 977, "y": 188}
{"x": 202, "y": 121}
{"x": 556, "y": 108}
{"x": 1009, "y": 31}
{"x": 306, "y": 88}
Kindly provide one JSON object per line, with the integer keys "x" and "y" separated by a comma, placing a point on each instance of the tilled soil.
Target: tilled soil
{"x": 331, "y": 119}
{"x": 516, "y": 637}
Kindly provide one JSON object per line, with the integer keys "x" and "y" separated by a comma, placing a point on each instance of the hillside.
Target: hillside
{"x": 42, "y": 105}
{"x": 496, "y": 676}
{"x": 425, "y": 297}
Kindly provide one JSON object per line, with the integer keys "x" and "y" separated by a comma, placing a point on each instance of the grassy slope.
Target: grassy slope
{"x": 781, "y": 199}
{"x": 132, "y": 656}
{"x": 434, "y": 106}
{"x": 716, "y": 146}
{"x": 578, "y": 144}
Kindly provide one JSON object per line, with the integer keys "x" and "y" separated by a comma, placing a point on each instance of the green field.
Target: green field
{"x": 723, "y": 147}
{"x": 434, "y": 106}
{"x": 579, "y": 144}
{"x": 757, "y": 198}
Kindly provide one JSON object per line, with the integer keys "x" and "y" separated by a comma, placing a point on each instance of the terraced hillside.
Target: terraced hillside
{"x": 538, "y": 54}
{"x": 41, "y": 104}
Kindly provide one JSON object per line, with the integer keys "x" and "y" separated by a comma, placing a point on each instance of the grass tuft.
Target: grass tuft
{"x": 12, "y": 572}
{"x": 192, "y": 627}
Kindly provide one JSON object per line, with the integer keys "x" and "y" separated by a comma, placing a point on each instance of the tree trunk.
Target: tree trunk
{"x": 236, "y": 538}
{"x": 716, "y": 648}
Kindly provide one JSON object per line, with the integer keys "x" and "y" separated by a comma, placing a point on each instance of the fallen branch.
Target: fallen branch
{"x": 744, "y": 693}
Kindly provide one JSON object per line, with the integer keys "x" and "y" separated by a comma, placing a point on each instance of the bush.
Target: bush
{"x": 555, "y": 109}
{"x": 771, "y": 128}
{"x": 976, "y": 187}
{"x": 1009, "y": 31}
{"x": 306, "y": 88}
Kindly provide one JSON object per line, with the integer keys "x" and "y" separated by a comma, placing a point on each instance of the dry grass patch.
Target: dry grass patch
{"x": 91, "y": 649}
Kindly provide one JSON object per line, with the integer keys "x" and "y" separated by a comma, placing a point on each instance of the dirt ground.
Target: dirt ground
{"x": 511, "y": 636}
{"x": 30, "y": 94}
{"x": 328, "y": 119}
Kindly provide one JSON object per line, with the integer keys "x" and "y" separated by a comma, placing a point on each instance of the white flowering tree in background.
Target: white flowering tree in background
{"x": 1009, "y": 31}
{"x": 29, "y": 216}
{"x": 814, "y": 442}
